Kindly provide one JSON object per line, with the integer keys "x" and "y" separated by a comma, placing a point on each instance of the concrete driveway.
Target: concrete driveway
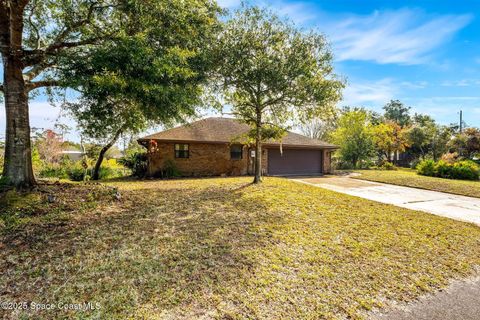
{"x": 442, "y": 204}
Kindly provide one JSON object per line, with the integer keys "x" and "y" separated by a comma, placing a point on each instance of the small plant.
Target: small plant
{"x": 387, "y": 165}
{"x": 54, "y": 171}
{"x": 170, "y": 169}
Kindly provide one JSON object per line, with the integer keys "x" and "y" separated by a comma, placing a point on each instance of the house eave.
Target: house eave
{"x": 142, "y": 141}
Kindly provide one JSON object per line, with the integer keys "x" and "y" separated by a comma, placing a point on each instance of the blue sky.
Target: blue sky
{"x": 424, "y": 53}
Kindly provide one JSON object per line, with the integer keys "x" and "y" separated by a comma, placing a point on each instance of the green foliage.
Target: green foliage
{"x": 428, "y": 139}
{"x": 76, "y": 172}
{"x": 397, "y": 112}
{"x": 152, "y": 73}
{"x": 466, "y": 170}
{"x": 267, "y": 65}
{"x": 427, "y": 168}
{"x": 463, "y": 170}
{"x": 389, "y": 137}
{"x": 170, "y": 169}
{"x": 136, "y": 162}
{"x": 354, "y": 137}
{"x": 54, "y": 171}
{"x": 272, "y": 73}
{"x": 387, "y": 165}
{"x": 466, "y": 144}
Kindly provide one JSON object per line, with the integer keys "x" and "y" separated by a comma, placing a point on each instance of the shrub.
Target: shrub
{"x": 426, "y": 168}
{"x": 136, "y": 162}
{"x": 463, "y": 170}
{"x": 341, "y": 165}
{"x": 170, "y": 169}
{"x": 54, "y": 171}
{"x": 443, "y": 169}
{"x": 467, "y": 170}
{"x": 386, "y": 165}
{"x": 76, "y": 172}
{"x": 365, "y": 164}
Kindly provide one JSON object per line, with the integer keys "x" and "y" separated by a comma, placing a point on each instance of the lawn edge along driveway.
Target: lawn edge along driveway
{"x": 461, "y": 208}
{"x": 409, "y": 178}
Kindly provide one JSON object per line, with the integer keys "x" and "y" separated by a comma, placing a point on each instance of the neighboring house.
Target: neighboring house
{"x": 207, "y": 147}
{"x": 73, "y": 155}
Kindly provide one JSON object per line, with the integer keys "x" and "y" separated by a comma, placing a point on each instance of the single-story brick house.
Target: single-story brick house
{"x": 207, "y": 147}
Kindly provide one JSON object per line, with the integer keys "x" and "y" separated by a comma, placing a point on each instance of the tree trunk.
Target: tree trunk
{"x": 258, "y": 150}
{"x": 18, "y": 154}
{"x": 17, "y": 170}
{"x": 98, "y": 164}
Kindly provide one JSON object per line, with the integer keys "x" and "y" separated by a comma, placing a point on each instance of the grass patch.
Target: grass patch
{"x": 223, "y": 248}
{"x": 409, "y": 178}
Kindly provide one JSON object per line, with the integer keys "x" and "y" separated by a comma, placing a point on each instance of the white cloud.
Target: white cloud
{"x": 376, "y": 93}
{"x": 403, "y": 36}
{"x": 414, "y": 84}
{"x": 228, "y": 3}
{"x": 297, "y": 12}
{"x": 445, "y": 108}
{"x": 461, "y": 83}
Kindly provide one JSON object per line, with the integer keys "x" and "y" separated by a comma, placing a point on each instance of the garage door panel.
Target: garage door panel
{"x": 294, "y": 161}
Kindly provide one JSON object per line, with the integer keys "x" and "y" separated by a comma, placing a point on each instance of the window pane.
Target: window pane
{"x": 181, "y": 146}
{"x": 181, "y": 151}
{"x": 236, "y": 152}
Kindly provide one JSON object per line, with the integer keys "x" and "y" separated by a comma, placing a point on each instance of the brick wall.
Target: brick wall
{"x": 212, "y": 159}
{"x": 204, "y": 160}
{"x": 327, "y": 161}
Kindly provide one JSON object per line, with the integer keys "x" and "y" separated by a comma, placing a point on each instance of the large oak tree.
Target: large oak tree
{"x": 41, "y": 41}
{"x": 271, "y": 73}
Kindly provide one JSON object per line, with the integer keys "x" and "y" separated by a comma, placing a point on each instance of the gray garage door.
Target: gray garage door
{"x": 294, "y": 161}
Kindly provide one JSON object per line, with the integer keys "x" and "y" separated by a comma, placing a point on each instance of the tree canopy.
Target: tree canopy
{"x": 354, "y": 136}
{"x": 273, "y": 74}
{"x": 397, "y": 112}
{"x": 149, "y": 51}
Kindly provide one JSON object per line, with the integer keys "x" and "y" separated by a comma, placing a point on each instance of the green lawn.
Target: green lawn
{"x": 223, "y": 248}
{"x": 409, "y": 178}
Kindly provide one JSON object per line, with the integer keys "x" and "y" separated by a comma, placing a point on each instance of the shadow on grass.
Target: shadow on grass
{"x": 159, "y": 251}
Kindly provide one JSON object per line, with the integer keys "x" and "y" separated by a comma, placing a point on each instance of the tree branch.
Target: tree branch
{"x": 36, "y": 56}
{"x": 36, "y": 70}
{"x": 32, "y": 25}
{"x": 41, "y": 84}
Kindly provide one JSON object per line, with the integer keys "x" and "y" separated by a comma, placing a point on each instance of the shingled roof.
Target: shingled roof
{"x": 221, "y": 130}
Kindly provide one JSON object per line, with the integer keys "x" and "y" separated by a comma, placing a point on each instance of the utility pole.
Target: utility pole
{"x": 461, "y": 121}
